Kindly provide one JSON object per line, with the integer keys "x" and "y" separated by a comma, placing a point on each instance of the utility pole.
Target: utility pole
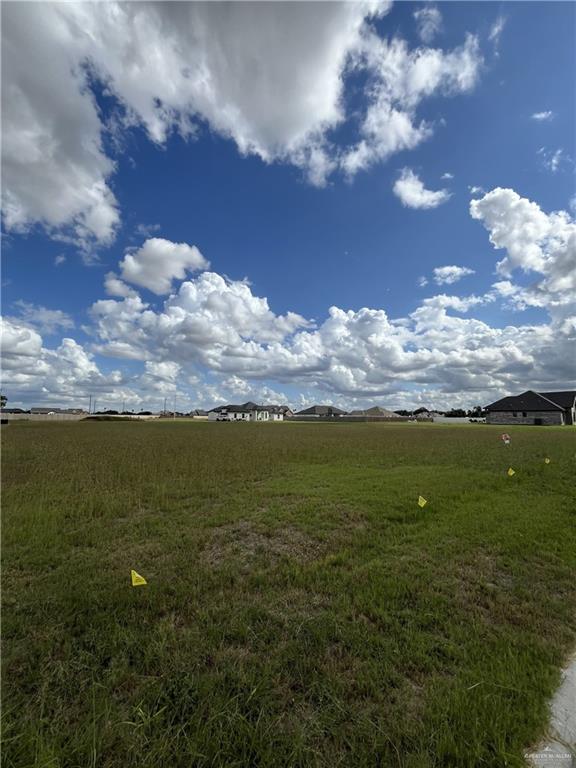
{"x": 94, "y": 406}
{"x": 164, "y": 407}
{"x": 90, "y": 406}
{"x": 174, "y": 407}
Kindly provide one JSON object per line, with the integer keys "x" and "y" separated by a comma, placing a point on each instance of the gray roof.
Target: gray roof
{"x": 376, "y": 410}
{"x": 527, "y": 401}
{"x": 564, "y": 399}
{"x": 249, "y": 407}
{"x": 321, "y": 410}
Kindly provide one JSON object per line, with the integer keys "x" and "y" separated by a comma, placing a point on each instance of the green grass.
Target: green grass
{"x": 301, "y": 609}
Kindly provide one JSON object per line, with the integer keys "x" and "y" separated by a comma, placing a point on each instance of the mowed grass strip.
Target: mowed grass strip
{"x": 301, "y": 608}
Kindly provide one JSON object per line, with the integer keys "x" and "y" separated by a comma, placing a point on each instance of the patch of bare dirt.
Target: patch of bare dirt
{"x": 243, "y": 541}
{"x": 484, "y": 572}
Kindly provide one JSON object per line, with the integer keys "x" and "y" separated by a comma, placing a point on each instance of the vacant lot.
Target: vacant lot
{"x": 301, "y": 608}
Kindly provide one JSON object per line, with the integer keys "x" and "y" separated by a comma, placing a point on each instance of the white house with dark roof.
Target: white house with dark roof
{"x": 248, "y": 412}
{"x": 539, "y": 408}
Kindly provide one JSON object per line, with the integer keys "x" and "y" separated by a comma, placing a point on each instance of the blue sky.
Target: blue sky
{"x": 238, "y": 145}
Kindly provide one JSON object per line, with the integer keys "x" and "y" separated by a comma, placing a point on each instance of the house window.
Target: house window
{"x": 514, "y": 413}
{"x": 524, "y": 414}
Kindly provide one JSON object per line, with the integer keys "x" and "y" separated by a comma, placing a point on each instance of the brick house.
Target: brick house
{"x": 545, "y": 408}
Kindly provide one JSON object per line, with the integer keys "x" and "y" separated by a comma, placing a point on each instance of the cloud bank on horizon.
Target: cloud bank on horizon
{"x": 334, "y": 96}
{"x": 216, "y": 325}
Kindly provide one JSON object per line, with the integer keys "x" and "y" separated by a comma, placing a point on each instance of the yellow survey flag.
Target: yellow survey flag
{"x": 137, "y": 580}
{"x": 511, "y": 472}
{"x": 422, "y": 501}
{"x": 546, "y": 461}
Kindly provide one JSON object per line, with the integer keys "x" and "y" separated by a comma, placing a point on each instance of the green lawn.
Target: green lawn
{"x": 301, "y": 609}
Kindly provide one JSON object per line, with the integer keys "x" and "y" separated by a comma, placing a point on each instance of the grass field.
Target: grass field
{"x": 301, "y": 609}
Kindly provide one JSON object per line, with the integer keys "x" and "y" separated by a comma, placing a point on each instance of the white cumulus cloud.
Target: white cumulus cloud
{"x": 116, "y": 287}
{"x": 413, "y": 194}
{"x": 46, "y": 321}
{"x": 534, "y": 241}
{"x": 428, "y": 21}
{"x": 213, "y": 339}
{"x": 63, "y": 374}
{"x": 401, "y": 80}
{"x": 182, "y": 67}
{"x": 451, "y": 274}
{"x": 170, "y": 65}
{"x": 55, "y": 170}
{"x": 158, "y": 262}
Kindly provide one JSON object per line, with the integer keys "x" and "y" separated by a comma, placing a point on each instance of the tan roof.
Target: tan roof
{"x": 376, "y": 410}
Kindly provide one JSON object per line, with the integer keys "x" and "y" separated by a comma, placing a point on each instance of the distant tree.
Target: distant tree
{"x": 456, "y": 413}
{"x": 402, "y": 413}
{"x": 3, "y": 401}
{"x": 418, "y": 411}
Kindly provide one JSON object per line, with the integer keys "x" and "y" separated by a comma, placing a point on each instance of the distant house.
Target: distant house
{"x": 321, "y": 410}
{"x": 230, "y": 413}
{"x": 377, "y": 411}
{"x": 277, "y": 412}
{"x": 248, "y": 412}
{"x": 54, "y": 411}
{"x": 534, "y": 408}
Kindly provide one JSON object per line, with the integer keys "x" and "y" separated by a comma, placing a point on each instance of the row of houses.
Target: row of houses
{"x": 46, "y": 411}
{"x": 552, "y": 408}
{"x": 546, "y": 408}
{"x": 252, "y": 412}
